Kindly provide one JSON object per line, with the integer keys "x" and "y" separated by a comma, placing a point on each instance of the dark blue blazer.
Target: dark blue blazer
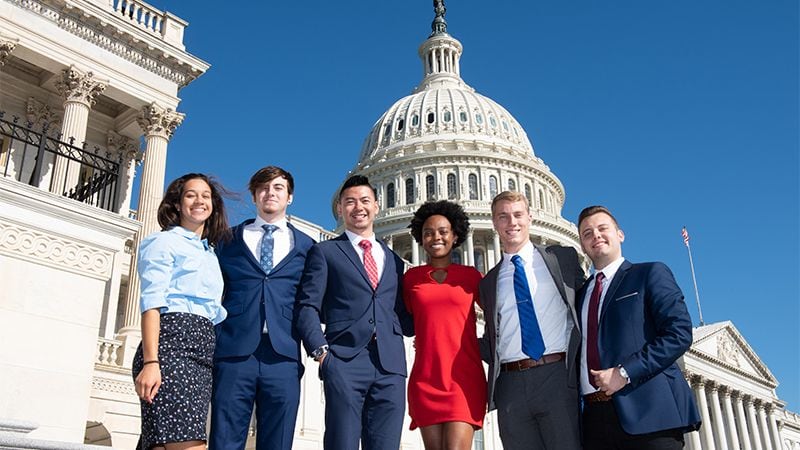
{"x": 336, "y": 291}
{"x": 251, "y": 295}
{"x": 645, "y": 326}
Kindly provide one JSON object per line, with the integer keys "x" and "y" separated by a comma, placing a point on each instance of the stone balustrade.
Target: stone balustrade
{"x": 109, "y": 353}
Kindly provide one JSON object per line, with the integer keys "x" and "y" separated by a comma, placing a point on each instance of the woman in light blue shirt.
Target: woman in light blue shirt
{"x": 181, "y": 291}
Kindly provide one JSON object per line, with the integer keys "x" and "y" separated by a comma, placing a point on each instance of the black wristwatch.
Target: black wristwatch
{"x": 319, "y": 352}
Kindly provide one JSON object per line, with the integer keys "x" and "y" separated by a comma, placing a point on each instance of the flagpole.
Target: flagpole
{"x": 694, "y": 278}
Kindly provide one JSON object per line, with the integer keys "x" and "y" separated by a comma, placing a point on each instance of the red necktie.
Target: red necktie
{"x": 369, "y": 262}
{"x": 592, "y": 353}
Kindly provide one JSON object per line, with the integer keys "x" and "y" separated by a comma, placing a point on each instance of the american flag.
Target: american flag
{"x": 685, "y": 235}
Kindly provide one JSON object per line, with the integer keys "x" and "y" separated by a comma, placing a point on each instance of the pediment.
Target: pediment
{"x": 721, "y": 343}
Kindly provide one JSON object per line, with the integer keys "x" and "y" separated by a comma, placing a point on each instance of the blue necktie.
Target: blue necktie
{"x": 532, "y": 342}
{"x": 267, "y": 245}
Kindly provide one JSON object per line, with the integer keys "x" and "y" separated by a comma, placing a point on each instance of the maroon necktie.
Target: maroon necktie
{"x": 592, "y": 353}
{"x": 369, "y": 262}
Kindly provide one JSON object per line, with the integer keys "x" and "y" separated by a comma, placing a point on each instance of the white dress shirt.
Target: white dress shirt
{"x": 377, "y": 251}
{"x": 551, "y": 311}
{"x": 608, "y": 272}
{"x": 283, "y": 242}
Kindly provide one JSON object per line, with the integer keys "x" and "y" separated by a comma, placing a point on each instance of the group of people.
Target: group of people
{"x": 573, "y": 363}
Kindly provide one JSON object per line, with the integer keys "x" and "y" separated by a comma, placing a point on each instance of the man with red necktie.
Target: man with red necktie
{"x": 352, "y": 284}
{"x": 635, "y": 326}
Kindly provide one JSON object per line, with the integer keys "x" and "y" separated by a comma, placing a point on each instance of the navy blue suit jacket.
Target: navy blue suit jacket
{"x": 336, "y": 291}
{"x": 645, "y": 326}
{"x": 251, "y": 295}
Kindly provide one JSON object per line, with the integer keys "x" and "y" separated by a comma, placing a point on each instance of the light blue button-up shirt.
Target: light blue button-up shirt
{"x": 179, "y": 272}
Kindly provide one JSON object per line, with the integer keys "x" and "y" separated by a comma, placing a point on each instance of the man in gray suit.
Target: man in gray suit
{"x": 531, "y": 340}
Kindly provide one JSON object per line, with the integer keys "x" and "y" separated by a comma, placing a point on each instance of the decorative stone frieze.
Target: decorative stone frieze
{"x": 51, "y": 250}
{"x": 113, "y": 386}
{"x": 41, "y": 114}
{"x": 158, "y": 121}
{"x": 80, "y": 87}
{"x": 6, "y": 47}
{"x": 728, "y": 351}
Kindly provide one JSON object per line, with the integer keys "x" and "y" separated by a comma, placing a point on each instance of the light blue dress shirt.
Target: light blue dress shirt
{"x": 179, "y": 272}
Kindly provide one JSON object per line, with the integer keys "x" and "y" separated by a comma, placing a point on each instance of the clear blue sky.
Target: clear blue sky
{"x": 670, "y": 113}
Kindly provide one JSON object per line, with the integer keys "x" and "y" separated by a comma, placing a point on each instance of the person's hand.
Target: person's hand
{"x": 148, "y": 382}
{"x": 608, "y": 380}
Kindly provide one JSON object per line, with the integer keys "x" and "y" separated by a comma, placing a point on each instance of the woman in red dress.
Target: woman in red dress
{"x": 447, "y": 387}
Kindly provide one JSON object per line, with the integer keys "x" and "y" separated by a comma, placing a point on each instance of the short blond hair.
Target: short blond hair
{"x": 510, "y": 196}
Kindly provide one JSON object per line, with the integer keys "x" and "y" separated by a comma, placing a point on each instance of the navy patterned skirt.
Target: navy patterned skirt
{"x": 178, "y": 412}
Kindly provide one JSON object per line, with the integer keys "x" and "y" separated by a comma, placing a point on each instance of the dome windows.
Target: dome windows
{"x": 492, "y": 186}
{"x": 478, "y": 118}
{"x": 462, "y": 116}
{"x": 505, "y": 126}
{"x": 512, "y": 185}
{"x": 430, "y": 188}
{"x": 390, "y": 195}
{"x": 492, "y": 121}
{"x": 451, "y": 186}
{"x": 431, "y": 117}
{"x": 409, "y": 191}
{"x": 414, "y": 120}
{"x": 473, "y": 186}
{"x": 400, "y": 124}
{"x": 447, "y": 117}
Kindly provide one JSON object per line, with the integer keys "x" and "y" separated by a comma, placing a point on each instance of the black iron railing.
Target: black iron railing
{"x": 30, "y": 157}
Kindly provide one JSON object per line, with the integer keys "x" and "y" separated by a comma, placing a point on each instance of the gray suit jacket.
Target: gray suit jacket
{"x": 565, "y": 268}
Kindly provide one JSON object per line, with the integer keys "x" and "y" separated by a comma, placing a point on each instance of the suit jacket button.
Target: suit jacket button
{"x": 371, "y": 321}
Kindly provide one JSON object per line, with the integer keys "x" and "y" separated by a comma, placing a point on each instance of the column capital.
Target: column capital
{"x": 40, "y": 113}
{"x": 79, "y": 87}
{"x": 712, "y": 386}
{"x": 6, "y": 47}
{"x": 748, "y": 400}
{"x": 725, "y": 391}
{"x": 126, "y": 148}
{"x": 158, "y": 121}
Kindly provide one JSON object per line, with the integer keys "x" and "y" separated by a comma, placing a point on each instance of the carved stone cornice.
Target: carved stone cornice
{"x": 40, "y": 113}
{"x": 78, "y": 86}
{"x": 158, "y": 121}
{"x": 6, "y": 47}
{"x": 124, "y": 146}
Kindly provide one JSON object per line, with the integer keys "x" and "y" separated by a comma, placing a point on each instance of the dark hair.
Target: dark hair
{"x": 510, "y": 196}
{"x": 453, "y": 212}
{"x": 357, "y": 180}
{"x": 216, "y": 228}
{"x": 592, "y": 210}
{"x": 267, "y": 174}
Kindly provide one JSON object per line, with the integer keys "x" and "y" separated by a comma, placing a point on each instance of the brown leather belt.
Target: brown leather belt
{"x": 596, "y": 397}
{"x": 524, "y": 364}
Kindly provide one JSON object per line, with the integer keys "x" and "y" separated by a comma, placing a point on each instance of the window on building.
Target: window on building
{"x": 430, "y": 188}
{"x": 480, "y": 261}
{"x": 390, "y": 195}
{"x": 409, "y": 191}
{"x": 431, "y": 117}
{"x": 462, "y": 116}
{"x": 473, "y": 186}
{"x": 414, "y": 120}
{"x": 541, "y": 199}
{"x": 529, "y": 194}
{"x": 451, "y": 186}
{"x": 512, "y": 185}
{"x": 492, "y": 186}
{"x": 400, "y": 124}
{"x": 492, "y": 122}
{"x": 505, "y": 126}
{"x": 447, "y": 116}
{"x": 478, "y": 118}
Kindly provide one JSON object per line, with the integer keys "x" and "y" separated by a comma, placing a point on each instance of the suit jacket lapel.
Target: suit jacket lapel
{"x": 612, "y": 288}
{"x": 347, "y": 248}
{"x": 551, "y": 262}
{"x": 291, "y": 253}
{"x": 239, "y": 240}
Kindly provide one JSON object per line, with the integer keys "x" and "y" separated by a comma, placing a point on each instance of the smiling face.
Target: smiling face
{"x": 512, "y": 221}
{"x": 196, "y": 205}
{"x": 357, "y": 207}
{"x": 272, "y": 198}
{"x": 601, "y": 239}
{"x": 438, "y": 239}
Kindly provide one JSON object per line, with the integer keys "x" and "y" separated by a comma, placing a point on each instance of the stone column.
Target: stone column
{"x": 80, "y": 91}
{"x": 741, "y": 422}
{"x": 716, "y": 413}
{"x": 706, "y": 434}
{"x": 158, "y": 125}
{"x": 773, "y": 427}
{"x": 693, "y": 438}
{"x": 755, "y": 434}
{"x": 414, "y": 252}
{"x": 497, "y": 251}
{"x": 730, "y": 422}
{"x": 6, "y": 47}
{"x": 470, "y": 261}
{"x": 130, "y": 156}
{"x": 763, "y": 428}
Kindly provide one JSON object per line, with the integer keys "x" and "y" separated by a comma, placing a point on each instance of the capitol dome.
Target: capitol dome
{"x": 446, "y": 141}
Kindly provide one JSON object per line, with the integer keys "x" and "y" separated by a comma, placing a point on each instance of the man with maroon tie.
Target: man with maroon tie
{"x": 635, "y": 326}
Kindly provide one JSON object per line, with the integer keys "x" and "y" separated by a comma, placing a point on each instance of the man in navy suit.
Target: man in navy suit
{"x": 352, "y": 284}
{"x": 635, "y": 326}
{"x": 257, "y": 359}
